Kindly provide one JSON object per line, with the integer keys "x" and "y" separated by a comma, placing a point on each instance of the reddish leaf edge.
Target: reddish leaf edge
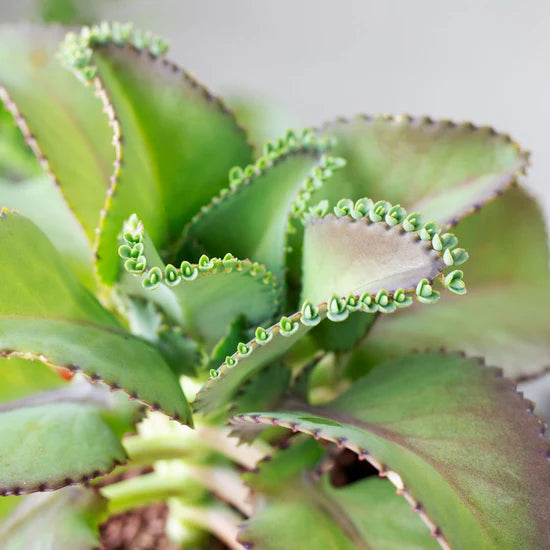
{"x": 510, "y": 180}
{"x": 92, "y": 377}
{"x": 383, "y": 471}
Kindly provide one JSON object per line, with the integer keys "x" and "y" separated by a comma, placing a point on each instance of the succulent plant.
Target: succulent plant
{"x": 297, "y": 317}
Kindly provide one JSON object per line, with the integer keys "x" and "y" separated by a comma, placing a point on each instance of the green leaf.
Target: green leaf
{"x": 17, "y": 162}
{"x": 277, "y": 471}
{"x": 289, "y": 525}
{"x": 41, "y": 201}
{"x": 46, "y": 314}
{"x": 71, "y": 431}
{"x": 343, "y": 336}
{"x": 54, "y": 445}
{"x": 382, "y": 519}
{"x": 120, "y": 360}
{"x": 204, "y": 298}
{"x": 61, "y": 120}
{"x": 252, "y": 218}
{"x": 179, "y": 351}
{"x": 235, "y": 333}
{"x": 506, "y": 314}
{"x": 357, "y": 261}
{"x": 343, "y": 255}
{"x": 440, "y": 168}
{"x": 172, "y": 137}
{"x": 450, "y": 434}
{"x": 264, "y": 390}
{"x": 67, "y": 518}
{"x": 37, "y": 282}
{"x": 366, "y": 514}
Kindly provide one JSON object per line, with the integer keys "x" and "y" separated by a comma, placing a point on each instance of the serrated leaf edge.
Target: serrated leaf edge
{"x": 428, "y": 122}
{"x": 76, "y": 53}
{"x": 394, "y": 217}
{"x": 384, "y": 471}
{"x": 275, "y": 152}
{"x": 170, "y": 276}
{"x": 91, "y": 376}
{"x": 32, "y": 143}
{"x": 338, "y": 308}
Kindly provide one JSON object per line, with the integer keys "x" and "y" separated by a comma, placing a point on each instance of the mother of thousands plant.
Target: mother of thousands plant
{"x": 310, "y": 295}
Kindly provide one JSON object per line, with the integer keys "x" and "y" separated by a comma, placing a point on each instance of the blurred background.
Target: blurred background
{"x": 481, "y": 60}
{"x": 309, "y": 61}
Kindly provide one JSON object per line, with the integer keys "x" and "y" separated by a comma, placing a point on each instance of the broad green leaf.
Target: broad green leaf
{"x": 173, "y": 139}
{"x": 383, "y": 519}
{"x": 346, "y": 260}
{"x": 344, "y": 336}
{"x": 37, "y": 282}
{"x": 252, "y": 218}
{"x": 204, "y": 298}
{"x": 343, "y": 255}
{"x": 54, "y": 433}
{"x": 67, "y": 518}
{"x": 17, "y": 162}
{"x": 452, "y": 435}
{"x": 366, "y": 514}
{"x": 193, "y": 138}
{"x": 53, "y": 445}
{"x": 279, "y": 470}
{"x": 440, "y": 168}
{"x": 264, "y": 390}
{"x": 41, "y": 201}
{"x": 292, "y": 525}
{"x": 61, "y": 119}
{"x": 366, "y": 247}
{"x": 117, "y": 358}
{"x": 46, "y": 314}
{"x": 179, "y": 351}
{"x": 506, "y": 314}
{"x": 235, "y": 333}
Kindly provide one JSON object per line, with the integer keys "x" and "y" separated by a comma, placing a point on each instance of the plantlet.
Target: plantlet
{"x": 153, "y": 252}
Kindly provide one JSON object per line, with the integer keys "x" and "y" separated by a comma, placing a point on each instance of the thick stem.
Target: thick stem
{"x": 148, "y": 488}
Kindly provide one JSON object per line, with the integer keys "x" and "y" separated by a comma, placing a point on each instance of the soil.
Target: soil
{"x": 139, "y": 529}
{"x": 143, "y": 529}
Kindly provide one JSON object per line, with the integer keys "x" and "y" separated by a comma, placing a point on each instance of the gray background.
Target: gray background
{"x": 484, "y": 61}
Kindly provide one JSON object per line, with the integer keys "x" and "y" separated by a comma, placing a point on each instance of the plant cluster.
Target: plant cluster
{"x": 266, "y": 323}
